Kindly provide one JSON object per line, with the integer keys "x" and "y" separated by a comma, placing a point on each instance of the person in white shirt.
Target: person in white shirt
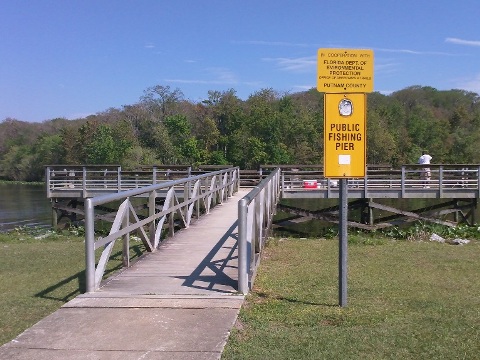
{"x": 426, "y": 174}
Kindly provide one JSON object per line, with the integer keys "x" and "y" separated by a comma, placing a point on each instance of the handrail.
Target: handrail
{"x": 90, "y": 180}
{"x": 447, "y": 180}
{"x": 181, "y": 197}
{"x": 255, "y": 213}
{"x": 443, "y": 179}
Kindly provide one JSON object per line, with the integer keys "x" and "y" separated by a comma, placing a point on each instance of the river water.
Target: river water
{"x": 24, "y": 205}
{"x": 28, "y": 206}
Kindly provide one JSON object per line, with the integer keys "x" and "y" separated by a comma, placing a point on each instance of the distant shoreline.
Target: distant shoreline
{"x": 12, "y": 182}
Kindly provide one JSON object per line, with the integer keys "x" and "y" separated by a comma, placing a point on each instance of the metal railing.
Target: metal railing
{"x": 443, "y": 180}
{"x": 82, "y": 181}
{"x": 90, "y": 180}
{"x": 181, "y": 199}
{"x": 255, "y": 214}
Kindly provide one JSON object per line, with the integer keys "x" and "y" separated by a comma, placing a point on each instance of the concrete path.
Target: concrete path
{"x": 179, "y": 302}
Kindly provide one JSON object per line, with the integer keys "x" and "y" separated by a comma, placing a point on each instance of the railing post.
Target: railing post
{"x": 242, "y": 247}
{"x": 84, "y": 182}
{"x": 126, "y": 240}
{"x": 47, "y": 181}
{"x": 232, "y": 175}
{"x": 440, "y": 181}
{"x": 151, "y": 212}
{"x": 197, "y": 194}
{"x": 365, "y": 186}
{"x": 171, "y": 218}
{"x": 237, "y": 183}
{"x": 119, "y": 179}
{"x": 478, "y": 182}
{"x": 402, "y": 183}
{"x": 89, "y": 247}
{"x": 259, "y": 224}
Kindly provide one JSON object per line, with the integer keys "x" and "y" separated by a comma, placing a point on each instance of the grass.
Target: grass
{"x": 39, "y": 273}
{"x": 406, "y": 299}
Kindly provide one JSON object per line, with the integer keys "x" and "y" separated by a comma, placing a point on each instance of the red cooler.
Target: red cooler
{"x": 309, "y": 184}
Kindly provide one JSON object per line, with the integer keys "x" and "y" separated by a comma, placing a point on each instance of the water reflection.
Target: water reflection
{"x": 23, "y": 205}
{"x": 305, "y": 227}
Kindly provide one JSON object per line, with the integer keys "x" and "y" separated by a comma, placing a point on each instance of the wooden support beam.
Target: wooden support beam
{"x": 414, "y": 216}
{"x": 330, "y": 215}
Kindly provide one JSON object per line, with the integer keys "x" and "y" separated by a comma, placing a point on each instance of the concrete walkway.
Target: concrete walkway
{"x": 179, "y": 302}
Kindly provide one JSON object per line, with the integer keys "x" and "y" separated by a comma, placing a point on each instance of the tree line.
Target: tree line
{"x": 266, "y": 128}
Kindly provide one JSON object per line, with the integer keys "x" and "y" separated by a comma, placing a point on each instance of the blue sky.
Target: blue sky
{"x": 66, "y": 58}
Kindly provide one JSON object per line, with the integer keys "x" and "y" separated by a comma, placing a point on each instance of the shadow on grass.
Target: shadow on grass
{"x": 64, "y": 297}
{"x": 61, "y": 290}
{"x": 266, "y": 296}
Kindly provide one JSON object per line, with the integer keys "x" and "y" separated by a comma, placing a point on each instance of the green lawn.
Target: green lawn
{"x": 406, "y": 300}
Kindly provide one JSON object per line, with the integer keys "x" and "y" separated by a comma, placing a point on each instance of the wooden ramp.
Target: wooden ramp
{"x": 179, "y": 302}
{"x": 200, "y": 260}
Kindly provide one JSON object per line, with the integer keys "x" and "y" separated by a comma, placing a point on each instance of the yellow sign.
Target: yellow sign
{"x": 344, "y": 135}
{"x": 345, "y": 71}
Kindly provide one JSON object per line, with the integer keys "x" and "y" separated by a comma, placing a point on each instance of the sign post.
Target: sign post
{"x": 344, "y": 75}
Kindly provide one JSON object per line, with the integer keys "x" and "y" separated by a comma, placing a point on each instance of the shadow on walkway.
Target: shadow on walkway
{"x": 214, "y": 268}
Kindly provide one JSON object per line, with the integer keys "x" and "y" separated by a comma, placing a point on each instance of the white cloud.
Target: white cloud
{"x": 302, "y": 87}
{"x": 413, "y": 52}
{"x": 303, "y": 64}
{"x": 76, "y": 116}
{"x": 463, "y": 42}
{"x": 223, "y": 75}
{"x": 270, "y": 43}
{"x": 386, "y": 92}
{"x": 386, "y": 67}
{"x": 472, "y": 84}
{"x": 219, "y": 76}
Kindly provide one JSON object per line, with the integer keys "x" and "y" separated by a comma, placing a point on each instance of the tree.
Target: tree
{"x": 48, "y": 150}
{"x": 381, "y": 145}
{"x": 161, "y": 101}
{"x": 255, "y": 150}
{"x": 137, "y": 155}
{"x": 105, "y": 148}
{"x": 266, "y": 128}
{"x": 16, "y": 164}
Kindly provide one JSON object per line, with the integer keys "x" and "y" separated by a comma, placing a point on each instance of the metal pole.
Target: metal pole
{"x": 242, "y": 247}
{"x": 84, "y": 182}
{"x": 47, "y": 180}
{"x": 126, "y": 240}
{"x": 151, "y": 212}
{"x": 342, "y": 254}
{"x": 89, "y": 246}
{"x": 119, "y": 179}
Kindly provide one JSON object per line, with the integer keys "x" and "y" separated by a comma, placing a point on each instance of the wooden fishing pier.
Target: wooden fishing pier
{"x": 454, "y": 187}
